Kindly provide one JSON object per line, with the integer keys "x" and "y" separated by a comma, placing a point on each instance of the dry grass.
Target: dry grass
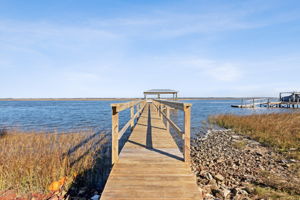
{"x": 280, "y": 131}
{"x": 279, "y": 183}
{"x": 30, "y": 162}
{"x": 240, "y": 144}
{"x": 269, "y": 193}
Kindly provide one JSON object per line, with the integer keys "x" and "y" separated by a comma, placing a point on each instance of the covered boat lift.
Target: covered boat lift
{"x": 159, "y": 92}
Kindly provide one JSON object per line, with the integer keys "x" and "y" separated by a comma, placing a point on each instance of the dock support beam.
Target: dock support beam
{"x": 115, "y": 135}
{"x": 187, "y": 134}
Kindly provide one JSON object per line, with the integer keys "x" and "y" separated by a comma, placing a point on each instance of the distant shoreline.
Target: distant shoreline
{"x": 123, "y": 99}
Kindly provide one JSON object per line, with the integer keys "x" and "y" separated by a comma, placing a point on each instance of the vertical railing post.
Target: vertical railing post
{"x": 131, "y": 117}
{"x": 168, "y": 116}
{"x": 115, "y": 135}
{"x": 138, "y": 107}
{"x": 187, "y": 133}
{"x": 162, "y": 110}
{"x": 159, "y": 109}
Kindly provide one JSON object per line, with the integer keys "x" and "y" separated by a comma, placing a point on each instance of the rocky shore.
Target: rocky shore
{"x": 231, "y": 166}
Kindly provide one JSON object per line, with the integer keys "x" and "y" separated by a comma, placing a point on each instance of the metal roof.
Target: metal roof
{"x": 160, "y": 91}
{"x": 294, "y": 92}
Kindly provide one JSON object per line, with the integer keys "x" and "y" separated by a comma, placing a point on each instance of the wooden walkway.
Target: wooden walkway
{"x": 150, "y": 165}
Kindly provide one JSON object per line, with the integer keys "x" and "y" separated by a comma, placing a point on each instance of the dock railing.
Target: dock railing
{"x": 118, "y": 133}
{"x": 253, "y": 102}
{"x": 163, "y": 107}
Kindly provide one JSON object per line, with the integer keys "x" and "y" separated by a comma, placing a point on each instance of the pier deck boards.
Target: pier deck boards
{"x": 150, "y": 165}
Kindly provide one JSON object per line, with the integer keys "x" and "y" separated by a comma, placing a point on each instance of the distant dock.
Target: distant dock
{"x": 266, "y": 103}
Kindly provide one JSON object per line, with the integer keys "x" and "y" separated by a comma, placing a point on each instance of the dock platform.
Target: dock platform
{"x": 150, "y": 165}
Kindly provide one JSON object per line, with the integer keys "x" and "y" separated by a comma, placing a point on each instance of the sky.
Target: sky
{"x": 119, "y": 48}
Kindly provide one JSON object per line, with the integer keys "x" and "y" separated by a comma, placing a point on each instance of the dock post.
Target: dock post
{"x": 168, "y": 116}
{"x": 187, "y": 133}
{"x": 138, "y": 107}
{"x": 253, "y": 102}
{"x": 115, "y": 135}
{"x": 159, "y": 106}
{"x": 131, "y": 117}
{"x": 162, "y": 111}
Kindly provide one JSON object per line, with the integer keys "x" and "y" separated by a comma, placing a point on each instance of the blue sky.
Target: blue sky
{"x": 89, "y": 48}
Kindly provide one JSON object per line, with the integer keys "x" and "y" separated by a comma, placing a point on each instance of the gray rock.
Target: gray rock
{"x": 222, "y": 169}
{"x": 225, "y": 193}
{"x": 219, "y": 177}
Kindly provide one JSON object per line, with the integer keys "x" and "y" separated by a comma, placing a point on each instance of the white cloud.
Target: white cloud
{"x": 215, "y": 69}
{"x": 81, "y": 76}
{"x": 227, "y": 72}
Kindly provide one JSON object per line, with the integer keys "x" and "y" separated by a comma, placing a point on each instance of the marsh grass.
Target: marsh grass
{"x": 281, "y": 131}
{"x": 31, "y": 161}
{"x": 271, "y": 194}
{"x": 240, "y": 144}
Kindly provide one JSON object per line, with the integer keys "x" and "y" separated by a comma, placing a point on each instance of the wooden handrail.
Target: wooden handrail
{"x": 186, "y": 134}
{"x": 123, "y": 106}
{"x": 116, "y": 134}
{"x": 130, "y": 121}
{"x": 170, "y": 122}
{"x": 174, "y": 104}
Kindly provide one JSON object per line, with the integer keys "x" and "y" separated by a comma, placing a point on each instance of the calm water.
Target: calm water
{"x": 96, "y": 115}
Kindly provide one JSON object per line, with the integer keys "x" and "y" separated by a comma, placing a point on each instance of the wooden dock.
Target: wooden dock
{"x": 267, "y": 103}
{"x": 150, "y": 165}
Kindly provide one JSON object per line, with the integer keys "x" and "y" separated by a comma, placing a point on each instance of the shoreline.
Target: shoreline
{"x": 124, "y": 99}
{"x": 68, "y": 99}
{"x": 229, "y": 165}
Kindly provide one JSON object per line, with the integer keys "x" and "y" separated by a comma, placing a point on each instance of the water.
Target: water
{"x": 202, "y": 109}
{"x": 67, "y": 116}
{"x": 61, "y": 116}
